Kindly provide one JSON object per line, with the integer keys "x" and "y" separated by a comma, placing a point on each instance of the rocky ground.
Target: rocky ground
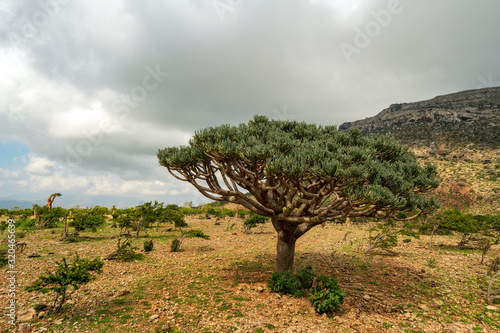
{"x": 220, "y": 285}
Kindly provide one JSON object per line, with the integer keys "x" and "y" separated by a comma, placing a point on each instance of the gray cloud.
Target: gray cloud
{"x": 76, "y": 88}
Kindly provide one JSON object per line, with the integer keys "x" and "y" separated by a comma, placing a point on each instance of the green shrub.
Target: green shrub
{"x": 327, "y": 296}
{"x": 25, "y": 224}
{"x": 125, "y": 252}
{"x": 66, "y": 275}
{"x": 253, "y": 221}
{"x": 87, "y": 219}
{"x": 288, "y": 283}
{"x": 148, "y": 245}
{"x": 174, "y": 246}
{"x": 306, "y": 277}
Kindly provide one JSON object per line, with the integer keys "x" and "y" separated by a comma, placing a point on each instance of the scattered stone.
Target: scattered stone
{"x": 34, "y": 255}
{"x": 153, "y": 317}
{"x": 260, "y": 289}
{"x": 26, "y": 316}
{"x": 42, "y": 314}
{"x": 491, "y": 308}
{"x": 438, "y": 303}
{"x": 24, "y": 328}
{"x": 122, "y": 292}
{"x": 366, "y": 297}
{"x": 423, "y": 307}
{"x": 58, "y": 322}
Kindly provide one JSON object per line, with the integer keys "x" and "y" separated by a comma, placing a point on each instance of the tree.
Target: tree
{"x": 85, "y": 218}
{"x": 48, "y": 217}
{"x": 301, "y": 175}
{"x": 123, "y": 218}
{"x": 51, "y": 199}
{"x": 146, "y": 213}
{"x": 66, "y": 275}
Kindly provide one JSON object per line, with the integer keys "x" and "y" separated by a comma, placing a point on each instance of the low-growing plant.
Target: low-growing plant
{"x": 175, "y": 246}
{"x": 148, "y": 245}
{"x": 289, "y": 283}
{"x": 327, "y": 296}
{"x": 253, "y": 222}
{"x": 125, "y": 252}
{"x": 66, "y": 275}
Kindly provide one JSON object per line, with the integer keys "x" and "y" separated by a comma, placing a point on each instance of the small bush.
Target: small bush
{"x": 125, "y": 252}
{"x": 66, "y": 275}
{"x": 253, "y": 221}
{"x": 306, "y": 277}
{"x": 148, "y": 245}
{"x": 327, "y": 296}
{"x": 288, "y": 283}
{"x": 174, "y": 246}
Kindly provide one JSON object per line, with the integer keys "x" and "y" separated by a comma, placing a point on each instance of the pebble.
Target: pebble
{"x": 491, "y": 308}
{"x": 423, "y": 307}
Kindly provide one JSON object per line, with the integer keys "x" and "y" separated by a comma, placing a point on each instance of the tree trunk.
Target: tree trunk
{"x": 432, "y": 235}
{"x": 288, "y": 233}
{"x": 285, "y": 252}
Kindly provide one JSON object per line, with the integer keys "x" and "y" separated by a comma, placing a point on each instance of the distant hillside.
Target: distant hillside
{"x": 467, "y": 117}
{"x": 9, "y": 203}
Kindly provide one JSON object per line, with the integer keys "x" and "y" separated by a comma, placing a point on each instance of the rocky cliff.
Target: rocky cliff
{"x": 461, "y": 118}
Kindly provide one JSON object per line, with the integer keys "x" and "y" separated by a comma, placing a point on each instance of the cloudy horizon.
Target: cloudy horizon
{"x": 91, "y": 90}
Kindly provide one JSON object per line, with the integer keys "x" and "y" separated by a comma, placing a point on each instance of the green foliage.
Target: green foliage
{"x": 255, "y": 220}
{"x": 195, "y": 233}
{"x": 385, "y": 236}
{"x": 306, "y": 277}
{"x": 3, "y": 226}
{"x": 25, "y": 224}
{"x": 172, "y": 213}
{"x": 374, "y": 169}
{"x": 289, "y": 283}
{"x": 175, "y": 245}
{"x": 85, "y": 218}
{"x": 125, "y": 251}
{"x": 327, "y": 296}
{"x": 148, "y": 245}
{"x": 455, "y": 220}
{"x": 122, "y": 218}
{"x": 48, "y": 218}
{"x": 66, "y": 275}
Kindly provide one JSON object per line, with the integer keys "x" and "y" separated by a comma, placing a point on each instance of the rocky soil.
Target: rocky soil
{"x": 219, "y": 285}
{"x": 466, "y": 117}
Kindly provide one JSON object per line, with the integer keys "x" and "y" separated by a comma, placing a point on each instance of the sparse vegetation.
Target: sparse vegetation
{"x": 66, "y": 275}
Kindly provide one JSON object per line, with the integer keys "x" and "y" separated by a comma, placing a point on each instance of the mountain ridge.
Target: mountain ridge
{"x": 460, "y": 118}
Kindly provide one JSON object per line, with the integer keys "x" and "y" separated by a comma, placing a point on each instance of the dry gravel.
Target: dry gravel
{"x": 219, "y": 285}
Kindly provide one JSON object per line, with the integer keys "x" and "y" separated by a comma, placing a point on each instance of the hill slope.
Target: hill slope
{"x": 461, "y": 118}
{"x": 460, "y": 133}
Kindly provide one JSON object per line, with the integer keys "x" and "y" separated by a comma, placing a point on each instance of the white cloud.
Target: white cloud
{"x": 68, "y": 90}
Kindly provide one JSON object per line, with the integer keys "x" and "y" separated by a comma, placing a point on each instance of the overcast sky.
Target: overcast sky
{"x": 90, "y": 90}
